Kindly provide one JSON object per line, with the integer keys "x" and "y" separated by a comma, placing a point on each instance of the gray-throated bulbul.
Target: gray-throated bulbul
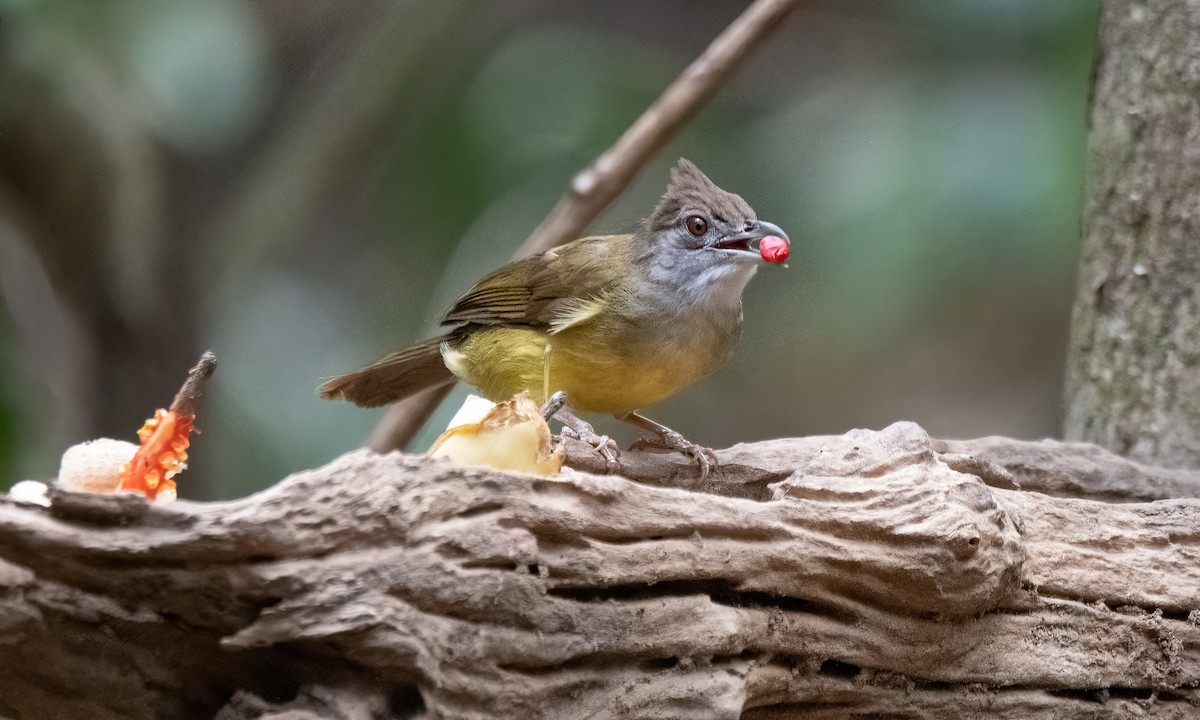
{"x": 617, "y": 322}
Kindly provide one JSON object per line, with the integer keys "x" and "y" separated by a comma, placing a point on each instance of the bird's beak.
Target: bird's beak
{"x": 746, "y": 246}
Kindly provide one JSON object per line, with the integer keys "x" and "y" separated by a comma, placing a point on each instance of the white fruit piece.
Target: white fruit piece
{"x": 95, "y": 466}
{"x": 509, "y": 436}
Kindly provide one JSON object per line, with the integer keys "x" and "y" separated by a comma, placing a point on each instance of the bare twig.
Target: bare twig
{"x": 403, "y": 420}
{"x": 602, "y": 182}
{"x": 594, "y": 188}
{"x": 185, "y": 399}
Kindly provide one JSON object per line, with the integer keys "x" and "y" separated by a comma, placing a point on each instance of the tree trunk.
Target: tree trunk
{"x": 1133, "y": 373}
{"x": 868, "y": 575}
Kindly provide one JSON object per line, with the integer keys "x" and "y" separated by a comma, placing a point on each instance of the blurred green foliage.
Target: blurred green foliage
{"x": 927, "y": 159}
{"x": 9, "y": 413}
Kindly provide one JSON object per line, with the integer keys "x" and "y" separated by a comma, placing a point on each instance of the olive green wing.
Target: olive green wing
{"x": 553, "y": 290}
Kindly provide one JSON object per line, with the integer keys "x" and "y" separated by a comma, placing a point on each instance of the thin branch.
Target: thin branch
{"x": 185, "y": 399}
{"x": 598, "y": 185}
{"x": 403, "y": 420}
{"x": 602, "y": 182}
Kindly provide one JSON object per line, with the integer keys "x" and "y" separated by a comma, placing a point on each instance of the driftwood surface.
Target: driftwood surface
{"x": 876, "y": 574}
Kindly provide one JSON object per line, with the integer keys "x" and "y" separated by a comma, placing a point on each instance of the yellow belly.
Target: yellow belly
{"x": 596, "y": 377}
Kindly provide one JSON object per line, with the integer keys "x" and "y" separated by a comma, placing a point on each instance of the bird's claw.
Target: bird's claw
{"x": 706, "y": 458}
{"x": 602, "y": 444}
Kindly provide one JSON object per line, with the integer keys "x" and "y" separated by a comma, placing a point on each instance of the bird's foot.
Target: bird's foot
{"x": 583, "y": 431}
{"x": 667, "y": 439}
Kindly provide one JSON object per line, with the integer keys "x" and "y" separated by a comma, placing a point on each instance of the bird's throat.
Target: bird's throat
{"x": 713, "y": 286}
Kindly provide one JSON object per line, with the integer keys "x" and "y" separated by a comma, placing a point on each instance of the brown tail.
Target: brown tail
{"x": 393, "y": 378}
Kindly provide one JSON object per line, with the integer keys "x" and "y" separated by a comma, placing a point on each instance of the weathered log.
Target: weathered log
{"x": 1080, "y": 470}
{"x": 1053, "y": 467}
{"x": 838, "y": 577}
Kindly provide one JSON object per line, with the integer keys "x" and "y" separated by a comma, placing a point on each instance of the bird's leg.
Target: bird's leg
{"x": 556, "y": 402}
{"x": 546, "y": 374}
{"x": 582, "y": 430}
{"x": 667, "y": 439}
{"x": 556, "y": 406}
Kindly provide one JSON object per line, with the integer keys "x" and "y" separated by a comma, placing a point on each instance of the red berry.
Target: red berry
{"x": 773, "y": 249}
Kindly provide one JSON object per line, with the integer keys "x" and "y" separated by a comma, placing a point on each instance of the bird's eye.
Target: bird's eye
{"x": 697, "y": 225}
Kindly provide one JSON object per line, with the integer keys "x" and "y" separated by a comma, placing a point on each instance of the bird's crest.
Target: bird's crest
{"x": 690, "y": 189}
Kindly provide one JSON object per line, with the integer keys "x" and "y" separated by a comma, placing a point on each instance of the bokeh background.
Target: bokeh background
{"x": 305, "y": 185}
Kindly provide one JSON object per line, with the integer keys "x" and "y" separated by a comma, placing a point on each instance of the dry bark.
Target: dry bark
{"x": 839, "y": 577}
{"x": 1133, "y": 375}
{"x": 1052, "y": 467}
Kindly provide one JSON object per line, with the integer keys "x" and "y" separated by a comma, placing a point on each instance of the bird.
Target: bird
{"x": 613, "y": 322}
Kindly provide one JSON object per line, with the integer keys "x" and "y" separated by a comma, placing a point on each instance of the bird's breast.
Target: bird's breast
{"x": 611, "y": 364}
{"x": 646, "y": 351}
{"x": 636, "y": 344}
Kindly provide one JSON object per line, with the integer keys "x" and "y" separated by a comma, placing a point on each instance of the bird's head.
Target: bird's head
{"x": 700, "y": 236}
{"x": 696, "y": 218}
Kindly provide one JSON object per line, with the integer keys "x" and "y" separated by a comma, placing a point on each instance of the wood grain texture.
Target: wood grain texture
{"x": 868, "y": 577}
{"x": 1051, "y": 467}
